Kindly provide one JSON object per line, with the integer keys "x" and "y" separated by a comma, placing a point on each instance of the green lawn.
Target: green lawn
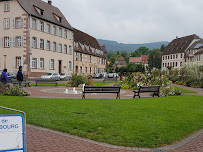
{"x": 146, "y": 122}
{"x": 101, "y": 83}
{"x": 185, "y": 90}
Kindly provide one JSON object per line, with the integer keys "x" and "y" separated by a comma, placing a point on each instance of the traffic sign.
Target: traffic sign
{"x": 12, "y": 135}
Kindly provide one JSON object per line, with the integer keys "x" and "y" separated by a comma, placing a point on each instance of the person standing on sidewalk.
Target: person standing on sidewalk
{"x": 4, "y": 79}
{"x": 20, "y": 77}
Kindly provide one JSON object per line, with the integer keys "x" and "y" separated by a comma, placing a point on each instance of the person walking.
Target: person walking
{"x": 20, "y": 77}
{"x": 4, "y": 78}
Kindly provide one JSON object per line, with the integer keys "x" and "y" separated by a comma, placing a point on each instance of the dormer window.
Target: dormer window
{"x": 39, "y": 10}
{"x": 42, "y": 12}
{"x": 60, "y": 19}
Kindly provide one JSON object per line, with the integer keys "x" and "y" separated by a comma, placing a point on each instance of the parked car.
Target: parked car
{"x": 65, "y": 76}
{"x": 110, "y": 75}
{"x": 98, "y": 76}
{"x": 115, "y": 75}
{"x": 54, "y": 76}
{"x": 104, "y": 75}
{"x": 11, "y": 75}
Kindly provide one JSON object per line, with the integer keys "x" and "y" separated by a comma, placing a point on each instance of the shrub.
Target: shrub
{"x": 76, "y": 80}
{"x": 15, "y": 91}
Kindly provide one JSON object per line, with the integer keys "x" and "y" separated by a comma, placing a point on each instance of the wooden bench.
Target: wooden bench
{"x": 101, "y": 89}
{"x": 46, "y": 81}
{"x": 109, "y": 79}
{"x": 142, "y": 89}
{"x": 15, "y": 82}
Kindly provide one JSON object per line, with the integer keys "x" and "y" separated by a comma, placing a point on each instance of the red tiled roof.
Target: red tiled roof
{"x": 179, "y": 45}
{"x": 143, "y": 59}
{"x": 121, "y": 59}
{"x": 135, "y": 60}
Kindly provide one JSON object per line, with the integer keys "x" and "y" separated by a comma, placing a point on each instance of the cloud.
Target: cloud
{"x": 134, "y": 21}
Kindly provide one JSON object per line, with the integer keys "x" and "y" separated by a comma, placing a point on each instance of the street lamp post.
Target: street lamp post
{"x": 116, "y": 70}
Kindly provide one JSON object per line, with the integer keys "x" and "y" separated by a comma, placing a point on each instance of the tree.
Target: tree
{"x": 154, "y": 60}
{"x": 163, "y": 47}
{"x": 140, "y": 51}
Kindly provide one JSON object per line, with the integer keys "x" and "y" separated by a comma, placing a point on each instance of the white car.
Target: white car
{"x": 65, "y": 76}
{"x": 53, "y": 76}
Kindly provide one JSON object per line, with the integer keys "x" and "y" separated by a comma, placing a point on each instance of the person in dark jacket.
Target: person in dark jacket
{"x": 20, "y": 77}
{"x": 4, "y": 79}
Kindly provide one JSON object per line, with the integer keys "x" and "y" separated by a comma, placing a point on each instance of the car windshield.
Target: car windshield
{"x": 48, "y": 74}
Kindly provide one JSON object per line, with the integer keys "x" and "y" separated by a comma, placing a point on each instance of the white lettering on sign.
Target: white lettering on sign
{"x": 11, "y": 133}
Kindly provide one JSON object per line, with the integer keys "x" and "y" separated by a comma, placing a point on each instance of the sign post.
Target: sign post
{"x": 12, "y": 132}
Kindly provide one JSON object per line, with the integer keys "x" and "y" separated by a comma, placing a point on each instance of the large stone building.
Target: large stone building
{"x": 89, "y": 58}
{"x": 174, "y": 56}
{"x": 36, "y": 35}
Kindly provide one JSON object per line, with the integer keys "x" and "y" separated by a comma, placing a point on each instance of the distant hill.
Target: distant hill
{"x": 115, "y": 46}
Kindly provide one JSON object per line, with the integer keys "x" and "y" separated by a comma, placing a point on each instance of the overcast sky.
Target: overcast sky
{"x": 134, "y": 21}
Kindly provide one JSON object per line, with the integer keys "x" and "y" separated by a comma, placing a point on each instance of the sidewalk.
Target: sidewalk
{"x": 198, "y": 90}
{"x": 46, "y": 140}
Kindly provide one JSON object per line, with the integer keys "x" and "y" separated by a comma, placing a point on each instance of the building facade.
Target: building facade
{"x": 140, "y": 60}
{"x": 194, "y": 54}
{"x": 174, "y": 56}
{"x": 89, "y": 57}
{"x": 36, "y": 35}
{"x": 121, "y": 62}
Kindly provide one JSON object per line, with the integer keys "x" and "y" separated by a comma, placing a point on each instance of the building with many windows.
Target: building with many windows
{"x": 35, "y": 35}
{"x": 194, "y": 54}
{"x": 174, "y": 56}
{"x": 89, "y": 57}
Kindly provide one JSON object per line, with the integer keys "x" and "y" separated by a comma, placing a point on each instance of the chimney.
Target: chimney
{"x": 49, "y": 2}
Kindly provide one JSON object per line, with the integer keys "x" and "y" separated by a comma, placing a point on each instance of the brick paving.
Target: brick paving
{"x": 46, "y": 140}
{"x": 58, "y": 92}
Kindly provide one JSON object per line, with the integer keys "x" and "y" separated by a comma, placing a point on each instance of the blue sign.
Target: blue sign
{"x": 12, "y": 134}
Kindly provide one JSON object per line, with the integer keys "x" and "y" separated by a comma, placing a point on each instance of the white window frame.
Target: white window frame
{"x": 52, "y": 64}
{"x": 70, "y": 50}
{"x": 34, "y": 42}
{"x": 65, "y": 49}
{"x": 41, "y": 26}
{"x": 19, "y": 22}
{"x": 6, "y": 7}
{"x": 54, "y": 46}
{"x": 6, "y": 23}
{"x": 41, "y": 63}
{"x": 70, "y": 65}
{"x": 41, "y": 44}
{"x": 34, "y": 63}
{"x": 6, "y": 42}
{"x": 48, "y": 45}
{"x": 60, "y": 48}
{"x": 18, "y": 62}
{"x": 34, "y": 24}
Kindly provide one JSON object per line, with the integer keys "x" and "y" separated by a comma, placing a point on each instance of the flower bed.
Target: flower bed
{"x": 136, "y": 80}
